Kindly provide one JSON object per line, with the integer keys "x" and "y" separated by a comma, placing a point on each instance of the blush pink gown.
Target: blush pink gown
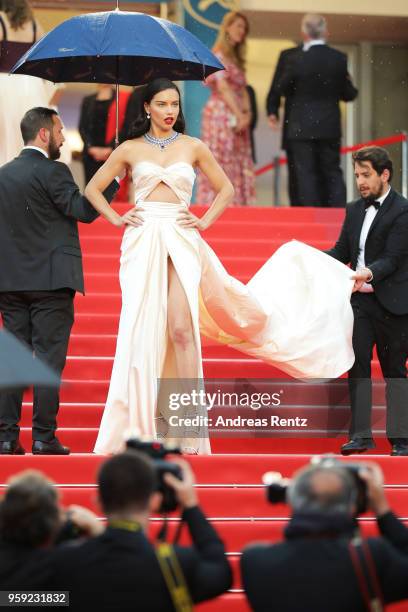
{"x": 294, "y": 313}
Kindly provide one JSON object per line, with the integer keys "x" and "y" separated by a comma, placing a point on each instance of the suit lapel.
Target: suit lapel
{"x": 381, "y": 211}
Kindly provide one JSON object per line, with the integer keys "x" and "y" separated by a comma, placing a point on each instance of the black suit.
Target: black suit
{"x": 254, "y": 119}
{"x": 273, "y": 103}
{"x": 316, "y": 80}
{"x": 306, "y": 574}
{"x": 380, "y": 318}
{"x": 118, "y": 570}
{"x": 40, "y": 205}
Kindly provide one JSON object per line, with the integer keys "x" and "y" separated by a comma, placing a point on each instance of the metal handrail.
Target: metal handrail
{"x": 402, "y": 137}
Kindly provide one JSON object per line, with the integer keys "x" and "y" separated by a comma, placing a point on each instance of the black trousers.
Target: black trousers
{"x": 374, "y": 325}
{"x": 43, "y": 320}
{"x": 319, "y": 178}
{"x": 292, "y": 185}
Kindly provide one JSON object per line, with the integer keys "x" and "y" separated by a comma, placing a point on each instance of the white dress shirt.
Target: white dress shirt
{"x": 370, "y": 214}
{"x": 313, "y": 43}
{"x": 36, "y": 149}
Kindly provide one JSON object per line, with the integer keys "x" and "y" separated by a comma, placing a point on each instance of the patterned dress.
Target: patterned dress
{"x": 232, "y": 150}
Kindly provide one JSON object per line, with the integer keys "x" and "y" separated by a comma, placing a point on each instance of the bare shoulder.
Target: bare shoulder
{"x": 199, "y": 147}
{"x": 190, "y": 141}
{"x": 129, "y": 148}
{"x": 132, "y": 143}
{"x": 195, "y": 146}
{"x": 40, "y": 29}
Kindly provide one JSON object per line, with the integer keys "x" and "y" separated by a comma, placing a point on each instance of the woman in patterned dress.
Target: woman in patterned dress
{"x": 227, "y": 116}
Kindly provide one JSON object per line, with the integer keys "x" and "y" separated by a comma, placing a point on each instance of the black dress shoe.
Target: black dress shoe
{"x": 11, "y": 447}
{"x": 357, "y": 445}
{"x": 399, "y": 450}
{"x": 49, "y": 448}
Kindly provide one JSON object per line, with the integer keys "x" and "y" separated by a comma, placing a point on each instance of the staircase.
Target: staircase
{"x": 228, "y": 481}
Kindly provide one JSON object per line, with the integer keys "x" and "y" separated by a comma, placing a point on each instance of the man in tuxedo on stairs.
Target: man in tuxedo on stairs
{"x": 374, "y": 240}
{"x": 41, "y": 267}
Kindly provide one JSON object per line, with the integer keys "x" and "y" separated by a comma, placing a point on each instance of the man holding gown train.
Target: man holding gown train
{"x": 374, "y": 240}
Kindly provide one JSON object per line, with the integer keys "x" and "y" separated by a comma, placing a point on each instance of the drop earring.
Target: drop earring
{"x": 148, "y": 115}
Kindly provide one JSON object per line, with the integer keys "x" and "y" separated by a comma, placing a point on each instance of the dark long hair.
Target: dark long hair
{"x": 141, "y": 125}
{"x": 17, "y": 11}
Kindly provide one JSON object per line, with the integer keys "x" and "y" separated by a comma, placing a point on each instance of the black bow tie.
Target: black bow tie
{"x": 371, "y": 202}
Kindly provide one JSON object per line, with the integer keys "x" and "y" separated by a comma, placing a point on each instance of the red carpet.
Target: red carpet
{"x": 229, "y": 481}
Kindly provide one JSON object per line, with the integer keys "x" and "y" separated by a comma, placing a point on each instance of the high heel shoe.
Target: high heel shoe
{"x": 161, "y": 428}
{"x": 189, "y": 450}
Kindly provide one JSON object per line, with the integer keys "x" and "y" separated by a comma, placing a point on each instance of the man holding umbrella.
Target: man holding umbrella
{"x": 40, "y": 205}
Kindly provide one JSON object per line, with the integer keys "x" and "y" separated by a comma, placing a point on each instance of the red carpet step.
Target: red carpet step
{"x": 219, "y": 469}
{"x": 229, "y": 481}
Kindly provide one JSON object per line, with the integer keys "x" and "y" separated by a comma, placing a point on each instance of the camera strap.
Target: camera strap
{"x": 366, "y": 574}
{"x": 174, "y": 577}
{"x": 163, "y": 531}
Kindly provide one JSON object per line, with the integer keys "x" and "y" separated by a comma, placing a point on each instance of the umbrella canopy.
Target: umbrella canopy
{"x": 118, "y": 47}
{"x": 19, "y": 369}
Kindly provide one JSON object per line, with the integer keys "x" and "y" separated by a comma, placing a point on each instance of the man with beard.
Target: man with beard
{"x": 374, "y": 240}
{"x": 41, "y": 267}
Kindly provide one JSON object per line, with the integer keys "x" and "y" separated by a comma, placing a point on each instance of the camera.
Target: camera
{"x": 276, "y": 485}
{"x": 158, "y": 453}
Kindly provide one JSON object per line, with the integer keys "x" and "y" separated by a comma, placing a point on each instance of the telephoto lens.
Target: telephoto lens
{"x": 158, "y": 453}
{"x": 276, "y": 487}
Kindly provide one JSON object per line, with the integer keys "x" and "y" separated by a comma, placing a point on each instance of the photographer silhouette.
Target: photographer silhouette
{"x": 121, "y": 569}
{"x": 320, "y": 565}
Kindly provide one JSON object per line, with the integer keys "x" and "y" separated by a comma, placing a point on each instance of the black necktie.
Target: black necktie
{"x": 371, "y": 202}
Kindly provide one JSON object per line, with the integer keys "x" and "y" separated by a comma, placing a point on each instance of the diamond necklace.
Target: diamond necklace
{"x": 162, "y": 143}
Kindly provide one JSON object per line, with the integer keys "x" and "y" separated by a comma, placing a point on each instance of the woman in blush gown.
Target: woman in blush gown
{"x": 295, "y": 312}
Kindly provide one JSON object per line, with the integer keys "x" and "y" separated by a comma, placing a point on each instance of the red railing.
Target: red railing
{"x": 379, "y": 142}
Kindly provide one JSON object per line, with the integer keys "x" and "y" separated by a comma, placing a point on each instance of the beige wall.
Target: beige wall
{"x": 345, "y": 7}
{"x": 51, "y": 18}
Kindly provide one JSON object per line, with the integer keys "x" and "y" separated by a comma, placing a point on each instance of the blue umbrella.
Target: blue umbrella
{"x": 118, "y": 47}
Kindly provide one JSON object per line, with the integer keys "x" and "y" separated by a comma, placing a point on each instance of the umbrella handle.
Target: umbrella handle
{"x": 117, "y": 116}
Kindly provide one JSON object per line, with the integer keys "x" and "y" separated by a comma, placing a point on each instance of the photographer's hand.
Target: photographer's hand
{"x": 184, "y": 489}
{"x": 85, "y": 520}
{"x": 372, "y": 474}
